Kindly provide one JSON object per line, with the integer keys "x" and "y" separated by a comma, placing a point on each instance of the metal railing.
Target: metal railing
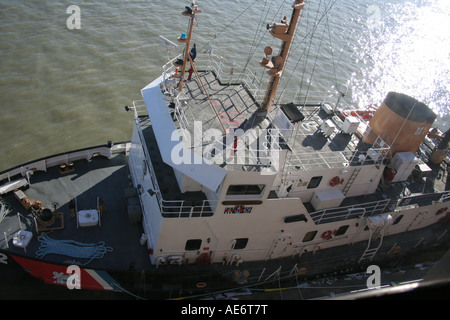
{"x": 140, "y": 108}
{"x": 377, "y": 207}
{"x": 226, "y": 74}
{"x": 170, "y": 208}
{"x": 187, "y": 209}
{"x": 231, "y": 151}
{"x": 350, "y": 212}
{"x": 334, "y": 159}
{"x": 25, "y": 170}
{"x": 258, "y": 147}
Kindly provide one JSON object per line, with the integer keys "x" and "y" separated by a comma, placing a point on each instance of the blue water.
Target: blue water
{"x": 63, "y": 89}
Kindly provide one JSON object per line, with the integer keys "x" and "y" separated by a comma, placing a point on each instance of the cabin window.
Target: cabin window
{"x": 193, "y": 244}
{"x": 341, "y": 230}
{"x": 240, "y": 243}
{"x": 314, "y": 182}
{"x": 309, "y": 236}
{"x": 398, "y": 219}
{"x": 245, "y": 189}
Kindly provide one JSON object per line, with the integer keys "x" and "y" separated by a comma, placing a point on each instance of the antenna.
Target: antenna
{"x": 285, "y": 32}
{"x": 169, "y": 45}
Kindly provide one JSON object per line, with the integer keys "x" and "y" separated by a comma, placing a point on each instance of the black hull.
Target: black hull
{"x": 192, "y": 282}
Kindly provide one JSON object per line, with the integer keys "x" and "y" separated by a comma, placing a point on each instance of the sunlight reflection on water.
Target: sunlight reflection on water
{"x": 409, "y": 53}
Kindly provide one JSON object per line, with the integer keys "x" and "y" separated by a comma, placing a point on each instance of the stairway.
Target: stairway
{"x": 350, "y": 181}
{"x": 372, "y": 248}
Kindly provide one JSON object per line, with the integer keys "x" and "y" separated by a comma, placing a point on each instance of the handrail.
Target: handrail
{"x": 174, "y": 208}
{"x": 333, "y": 159}
{"x": 207, "y": 94}
{"x": 349, "y": 212}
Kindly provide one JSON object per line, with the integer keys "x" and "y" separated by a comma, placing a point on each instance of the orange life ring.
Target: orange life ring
{"x": 445, "y": 219}
{"x": 203, "y": 259}
{"x": 328, "y": 234}
{"x": 441, "y": 210}
{"x": 201, "y": 285}
{"x": 335, "y": 181}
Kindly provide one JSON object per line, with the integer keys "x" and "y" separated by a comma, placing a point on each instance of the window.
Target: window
{"x": 245, "y": 189}
{"x": 341, "y": 230}
{"x": 240, "y": 243}
{"x": 309, "y": 236}
{"x": 398, "y": 219}
{"x": 193, "y": 244}
{"x": 314, "y": 182}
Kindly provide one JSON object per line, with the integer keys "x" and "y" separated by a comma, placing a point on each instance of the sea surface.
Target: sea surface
{"x": 64, "y": 88}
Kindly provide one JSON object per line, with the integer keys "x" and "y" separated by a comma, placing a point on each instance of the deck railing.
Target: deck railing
{"x": 334, "y": 159}
{"x": 246, "y": 153}
{"x": 226, "y": 74}
{"x": 377, "y": 207}
{"x": 171, "y": 208}
{"x": 26, "y": 170}
{"x": 350, "y": 212}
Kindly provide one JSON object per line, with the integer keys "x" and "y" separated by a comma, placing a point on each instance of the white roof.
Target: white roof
{"x": 167, "y": 137}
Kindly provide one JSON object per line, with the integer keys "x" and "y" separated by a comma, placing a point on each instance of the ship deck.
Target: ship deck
{"x": 221, "y": 106}
{"x": 318, "y": 140}
{"x": 211, "y": 111}
{"x": 107, "y": 179}
{"x": 226, "y": 108}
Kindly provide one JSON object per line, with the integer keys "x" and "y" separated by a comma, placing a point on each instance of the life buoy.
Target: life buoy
{"x": 445, "y": 218}
{"x": 328, "y": 234}
{"x": 441, "y": 210}
{"x": 203, "y": 259}
{"x": 335, "y": 181}
{"x": 201, "y": 285}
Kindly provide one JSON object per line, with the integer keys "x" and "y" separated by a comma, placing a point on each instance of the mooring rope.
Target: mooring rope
{"x": 72, "y": 248}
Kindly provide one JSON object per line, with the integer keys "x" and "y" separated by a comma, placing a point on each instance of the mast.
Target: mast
{"x": 440, "y": 151}
{"x": 189, "y": 12}
{"x": 284, "y": 31}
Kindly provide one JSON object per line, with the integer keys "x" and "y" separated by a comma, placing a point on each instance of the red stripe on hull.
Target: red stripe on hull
{"x": 57, "y": 274}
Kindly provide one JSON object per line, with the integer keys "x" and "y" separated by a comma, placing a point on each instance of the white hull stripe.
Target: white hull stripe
{"x": 100, "y": 278}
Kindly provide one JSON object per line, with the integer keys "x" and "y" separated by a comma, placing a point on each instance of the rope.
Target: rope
{"x": 5, "y": 209}
{"x": 206, "y": 92}
{"x": 310, "y": 35}
{"x": 224, "y": 28}
{"x": 72, "y": 248}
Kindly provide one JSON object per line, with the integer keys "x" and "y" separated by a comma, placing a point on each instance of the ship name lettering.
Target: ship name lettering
{"x": 3, "y": 258}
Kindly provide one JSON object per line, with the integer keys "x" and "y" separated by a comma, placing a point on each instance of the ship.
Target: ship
{"x": 218, "y": 189}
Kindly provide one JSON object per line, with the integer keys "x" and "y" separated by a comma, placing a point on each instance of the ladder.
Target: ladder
{"x": 370, "y": 252}
{"x": 350, "y": 181}
{"x": 417, "y": 219}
